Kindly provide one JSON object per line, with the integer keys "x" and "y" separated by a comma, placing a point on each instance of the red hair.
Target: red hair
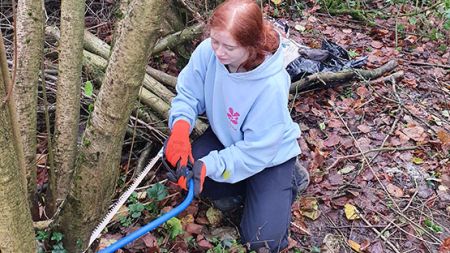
{"x": 243, "y": 19}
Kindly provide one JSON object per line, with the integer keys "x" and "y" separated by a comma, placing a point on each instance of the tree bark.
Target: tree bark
{"x": 97, "y": 168}
{"x": 30, "y": 45}
{"x": 68, "y": 95}
{"x": 16, "y": 226}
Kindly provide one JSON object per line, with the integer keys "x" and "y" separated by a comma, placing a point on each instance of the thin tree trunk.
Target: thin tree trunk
{"x": 97, "y": 168}
{"x": 16, "y": 226}
{"x": 68, "y": 95}
{"x": 30, "y": 45}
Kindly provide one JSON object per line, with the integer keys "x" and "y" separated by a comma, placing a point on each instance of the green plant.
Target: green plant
{"x": 347, "y": 93}
{"x": 42, "y": 235}
{"x": 432, "y": 226}
{"x": 173, "y": 226}
{"x": 58, "y": 246}
{"x": 226, "y": 245}
{"x": 125, "y": 221}
{"x": 157, "y": 192}
{"x": 136, "y": 209}
{"x": 352, "y": 53}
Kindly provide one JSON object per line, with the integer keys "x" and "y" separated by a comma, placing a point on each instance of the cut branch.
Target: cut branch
{"x": 333, "y": 79}
{"x": 162, "y": 77}
{"x": 171, "y": 41}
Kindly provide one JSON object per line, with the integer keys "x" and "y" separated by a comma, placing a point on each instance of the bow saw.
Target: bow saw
{"x": 150, "y": 226}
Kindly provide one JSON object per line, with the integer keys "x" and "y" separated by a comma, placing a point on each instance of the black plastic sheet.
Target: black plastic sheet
{"x": 330, "y": 58}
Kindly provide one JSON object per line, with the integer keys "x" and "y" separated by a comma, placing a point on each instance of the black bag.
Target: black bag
{"x": 330, "y": 58}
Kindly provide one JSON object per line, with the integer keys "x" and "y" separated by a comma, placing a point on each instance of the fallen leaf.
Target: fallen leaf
{"x": 204, "y": 244}
{"x": 417, "y": 160}
{"x": 331, "y": 244}
{"x": 123, "y": 212}
{"x": 347, "y": 31}
{"x": 350, "y": 212}
{"x": 332, "y": 140}
{"x": 108, "y": 239}
{"x": 347, "y": 169}
{"x": 445, "y": 180}
{"x": 363, "y": 143}
{"x": 300, "y": 28}
{"x": 362, "y": 91}
{"x": 214, "y": 216}
{"x": 354, "y": 245}
{"x": 394, "y": 190}
{"x": 444, "y": 138}
{"x": 151, "y": 242}
{"x": 309, "y": 207}
{"x": 416, "y": 133}
{"x": 364, "y": 128}
{"x": 336, "y": 179}
{"x": 276, "y": 1}
{"x": 187, "y": 219}
{"x": 376, "y": 44}
{"x": 445, "y": 246}
{"x": 365, "y": 244}
{"x": 335, "y": 123}
{"x": 376, "y": 248}
{"x": 194, "y": 228}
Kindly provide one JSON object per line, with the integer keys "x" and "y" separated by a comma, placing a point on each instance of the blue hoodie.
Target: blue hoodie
{"x": 248, "y": 112}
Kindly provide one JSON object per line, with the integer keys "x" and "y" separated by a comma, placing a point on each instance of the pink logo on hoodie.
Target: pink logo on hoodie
{"x": 233, "y": 116}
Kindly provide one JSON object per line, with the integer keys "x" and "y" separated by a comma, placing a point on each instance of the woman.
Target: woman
{"x": 237, "y": 78}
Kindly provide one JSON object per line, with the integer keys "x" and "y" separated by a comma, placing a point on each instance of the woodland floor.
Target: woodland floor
{"x": 381, "y": 148}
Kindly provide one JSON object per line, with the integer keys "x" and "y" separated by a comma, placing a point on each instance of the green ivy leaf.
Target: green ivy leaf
{"x": 157, "y": 191}
{"x": 88, "y": 88}
{"x": 57, "y": 236}
{"x": 42, "y": 235}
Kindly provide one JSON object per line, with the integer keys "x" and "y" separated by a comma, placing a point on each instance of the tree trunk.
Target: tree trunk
{"x": 30, "y": 45}
{"x": 97, "y": 168}
{"x": 16, "y": 226}
{"x": 68, "y": 95}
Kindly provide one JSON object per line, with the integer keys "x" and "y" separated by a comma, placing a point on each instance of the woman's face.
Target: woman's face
{"x": 227, "y": 50}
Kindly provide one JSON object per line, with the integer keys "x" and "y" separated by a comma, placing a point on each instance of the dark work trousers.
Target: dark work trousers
{"x": 268, "y": 196}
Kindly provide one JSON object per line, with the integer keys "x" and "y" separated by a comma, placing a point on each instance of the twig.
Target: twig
{"x": 428, "y": 64}
{"x": 378, "y": 232}
{"x": 404, "y": 231}
{"x": 397, "y": 117}
{"x": 412, "y": 198}
{"x": 414, "y": 13}
{"x": 390, "y": 77}
{"x": 14, "y": 72}
{"x": 365, "y": 158}
{"x": 338, "y": 159}
{"x": 191, "y": 10}
{"x": 415, "y": 224}
{"x": 302, "y": 229}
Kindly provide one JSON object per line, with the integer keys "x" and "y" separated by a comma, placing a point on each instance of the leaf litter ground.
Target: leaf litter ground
{"x": 377, "y": 152}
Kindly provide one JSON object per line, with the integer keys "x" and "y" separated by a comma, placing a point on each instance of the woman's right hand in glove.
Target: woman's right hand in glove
{"x": 178, "y": 146}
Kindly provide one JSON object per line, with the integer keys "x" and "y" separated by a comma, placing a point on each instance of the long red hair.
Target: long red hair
{"x": 243, "y": 19}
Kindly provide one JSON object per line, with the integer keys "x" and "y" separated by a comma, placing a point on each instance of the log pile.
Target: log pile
{"x": 157, "y": 89}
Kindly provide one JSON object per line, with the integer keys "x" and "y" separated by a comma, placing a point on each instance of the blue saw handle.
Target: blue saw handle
{"x": 154, "y": 224}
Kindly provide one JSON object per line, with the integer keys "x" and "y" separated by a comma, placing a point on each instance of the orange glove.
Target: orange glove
{"x": 183, "y": 174}
{"x": 178, "y": 146}
{"x": 199, "y": 174}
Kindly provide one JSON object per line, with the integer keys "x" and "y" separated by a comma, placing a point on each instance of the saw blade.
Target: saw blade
{"x": 116, "y": 206}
